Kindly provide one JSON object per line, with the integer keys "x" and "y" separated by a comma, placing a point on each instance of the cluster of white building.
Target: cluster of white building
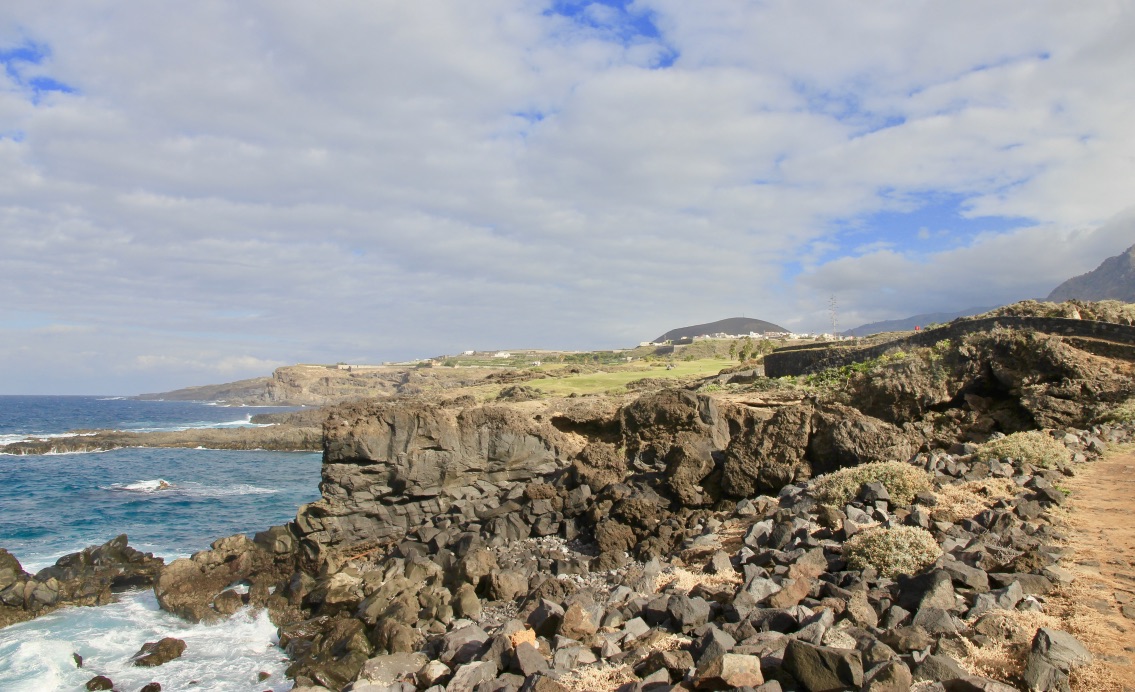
{"x": 755, "y": 336}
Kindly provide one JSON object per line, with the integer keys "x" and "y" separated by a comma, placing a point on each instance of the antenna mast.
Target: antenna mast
{"x": 833, "y": 311}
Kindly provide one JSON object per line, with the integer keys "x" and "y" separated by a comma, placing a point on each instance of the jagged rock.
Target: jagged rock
{"x": 465, "y": 602}
{"x": 467, "y": 677}
{"x": 545, "y": 620}
{"x": 973, "y": 683}
{"x": 730, "y": 671}
{"x": 820, "y": 668}
{"x": 938, "y": 668}
{"x": 463, "y": 645}
{"x": 688, "y": 462}
{"x": 1005, "y": 599}
{"x": 507, "y": 585}
{"x": 85, "y": 578}
{"x": 187, "y": 587}
{"x": 100, "y": 682}
{"x": 1053, "y": 655}
{"x": 328, "y": 651}
{"x": 156, "y": 653}
{"x": 844, "y": 436}
{"x": 527, "y": 659}
{"x": 688, "y": 613}
{"x": 389, "y": 669}
{"x": 768, "y": 456}
{"x": 433, "y": 673}
{"x": 890, "y": 676}
{"x": 614, "y": 537}
{"x": 577, "y": 623}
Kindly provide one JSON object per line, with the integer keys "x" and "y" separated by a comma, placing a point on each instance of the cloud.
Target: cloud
{"x": 258, "y": 183}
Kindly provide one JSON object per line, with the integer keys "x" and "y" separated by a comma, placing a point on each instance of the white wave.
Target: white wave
{"x": 56, "y": 453}
{"x": 246, "y": 422}
{"x": 188, "y": 489}
{"x": 27, "y": 437}
{"x": 150, "y": 486}
{"x": 112, "y": 398}
{"x": 226, "y": 656}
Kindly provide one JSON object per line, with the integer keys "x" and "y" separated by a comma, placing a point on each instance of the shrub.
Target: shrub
{"x": 903, "y": 482}
{"x": 898, "y": 550}
{"x": 1123, "y": 413}
{"x": 965, "y": 500}
{"x": 1035, "y": 447}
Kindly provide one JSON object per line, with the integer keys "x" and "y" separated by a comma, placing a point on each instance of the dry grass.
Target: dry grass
{"x": 1035, "y": 446}
{"x": 686, "y": 579}
{"x": 903, "y": 482}
{"x": 598, "y": 677}
{"x": 1001, "y": 661}
{"x": 964, "y": 500}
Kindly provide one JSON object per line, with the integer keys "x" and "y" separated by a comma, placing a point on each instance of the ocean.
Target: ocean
{"x": 57, "y": 504}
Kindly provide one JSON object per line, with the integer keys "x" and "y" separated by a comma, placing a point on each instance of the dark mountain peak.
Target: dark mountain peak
{"x": 1114, "y": 279}
{"x": 732, "y": 325}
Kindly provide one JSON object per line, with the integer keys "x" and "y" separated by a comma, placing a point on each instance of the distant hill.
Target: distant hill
{"x": 733, "y": 325}
{"x": 908, "y": 323}
{"x": 1112, "y": 280}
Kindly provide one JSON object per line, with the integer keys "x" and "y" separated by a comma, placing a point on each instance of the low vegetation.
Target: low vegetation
{"x": 615, "y": 380}
{"x": 1123, "y": 413}
{"x": 965, "y": 500}
{"x": 902, "y": 481}
{"x": 893, "y": 551}
{"x": 1036, "y": 447}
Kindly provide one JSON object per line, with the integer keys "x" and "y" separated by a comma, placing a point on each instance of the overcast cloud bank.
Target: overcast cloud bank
{"x": 201, "y": 195}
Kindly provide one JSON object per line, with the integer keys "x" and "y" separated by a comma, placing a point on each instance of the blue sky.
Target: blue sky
{"x": 201, "y": 197}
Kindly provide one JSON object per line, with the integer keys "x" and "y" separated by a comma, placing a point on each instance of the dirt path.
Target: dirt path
{"x": 1099, "y": 607}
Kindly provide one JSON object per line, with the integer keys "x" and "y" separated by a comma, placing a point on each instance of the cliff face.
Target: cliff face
{"x": 389, "y": 466}
{"x": 320, "y": 385}
{"x": 1114, "y": 279}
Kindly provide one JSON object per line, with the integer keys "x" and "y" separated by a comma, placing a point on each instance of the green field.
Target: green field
{"x": 597, "y": 382}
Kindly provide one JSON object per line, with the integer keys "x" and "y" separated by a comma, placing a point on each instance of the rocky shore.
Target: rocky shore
{"x": 892, "y": 525}
{"x": 298, "y": 431}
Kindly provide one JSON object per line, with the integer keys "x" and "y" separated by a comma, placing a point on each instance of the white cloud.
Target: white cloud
{"x": 265, "y": 182}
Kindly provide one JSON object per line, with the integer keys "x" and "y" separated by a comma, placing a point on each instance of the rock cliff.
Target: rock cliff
{"x": 513, "y": 544}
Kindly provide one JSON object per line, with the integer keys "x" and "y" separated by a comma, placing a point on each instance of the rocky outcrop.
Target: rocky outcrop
{"x": 86, "y": 578}
{"x": 286, "y": 438}
{"x": 514, "y": 542}
{"x": 199, "y": 588}
{"x": 389, "y": 466}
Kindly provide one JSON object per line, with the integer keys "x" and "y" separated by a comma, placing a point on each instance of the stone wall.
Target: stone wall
{"x": 811, "y": 358}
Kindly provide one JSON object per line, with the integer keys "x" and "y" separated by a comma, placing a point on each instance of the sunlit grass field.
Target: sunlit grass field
{"x": 617, "y": 379}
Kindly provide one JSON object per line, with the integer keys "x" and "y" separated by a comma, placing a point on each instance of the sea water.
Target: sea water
{"x": 56, "y": 504}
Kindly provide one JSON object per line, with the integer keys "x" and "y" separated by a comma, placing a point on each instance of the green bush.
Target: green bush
{"x": 1123, "y": 413}
{"x": 898, "y": 550}
{"x": 1036, "y": 447}
{"x": 903, "y": 482}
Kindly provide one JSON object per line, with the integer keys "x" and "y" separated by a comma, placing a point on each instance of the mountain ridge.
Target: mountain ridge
{"x": 1114, "y": 279}
{"x": 729, "y": 325}
{"x": 905, "y": 324}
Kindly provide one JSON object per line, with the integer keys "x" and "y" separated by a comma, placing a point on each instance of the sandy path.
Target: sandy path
{"x": 1100, "y": 605}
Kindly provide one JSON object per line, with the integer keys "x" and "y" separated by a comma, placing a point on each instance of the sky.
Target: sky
{"x": 200, "y": 192}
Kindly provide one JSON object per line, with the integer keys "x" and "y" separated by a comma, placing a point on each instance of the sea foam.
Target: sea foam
{"x": 37, "y": 655}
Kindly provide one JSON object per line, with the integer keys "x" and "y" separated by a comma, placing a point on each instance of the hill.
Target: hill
{"x": 1114, "y": 279}
{"x": 732, "y": 325}
{"x": 908, "y": 323}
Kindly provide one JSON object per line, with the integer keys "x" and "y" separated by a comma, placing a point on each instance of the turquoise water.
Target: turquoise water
{"x": 56, "y": 504}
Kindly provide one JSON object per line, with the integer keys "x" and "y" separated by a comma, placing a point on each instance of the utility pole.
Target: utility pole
{"x": 833, "y": 310}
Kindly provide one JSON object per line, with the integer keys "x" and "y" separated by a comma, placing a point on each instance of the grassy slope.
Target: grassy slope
{"x": 591, "y": 383}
